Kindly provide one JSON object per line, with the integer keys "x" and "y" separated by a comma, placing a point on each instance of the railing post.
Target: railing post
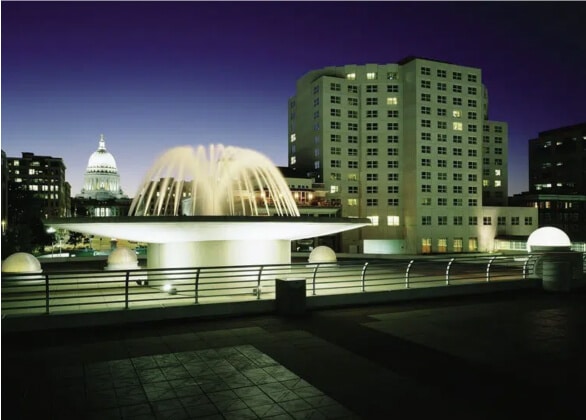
{"x": 525, "y": 267}
{"x": 488, "y": 269}
{"x": 258, "y": 285}
{"x": 197, "y": 285}
{"x": 448, "y": 271}
{"x": 362, "y": 276}
{"x": 407, "y": 273}
{"x": 47, "y": 294}
{"x": 126, "y": 290}
{"x": 314, "y": 276}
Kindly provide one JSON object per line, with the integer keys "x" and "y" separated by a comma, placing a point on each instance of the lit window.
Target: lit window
{"x": 392, "y": 100}
{"x": 373, "y": 220}
{"x": 293, "y": 137}
{"x": 334, "y": 189}
{"x": 497, "y": 183}
{"x": 351, "y": 76}
{"x": 293, "y": 160}
{"x": 457, "y": 126}
{"x": 352, "y": 201}
{"x": 393, "y": 220}
{"x": 371, "y": 76}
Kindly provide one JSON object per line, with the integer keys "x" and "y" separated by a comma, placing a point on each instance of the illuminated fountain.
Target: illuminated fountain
{"x": 220, "y": 206}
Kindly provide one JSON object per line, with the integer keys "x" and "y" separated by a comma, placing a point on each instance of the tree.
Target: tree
{"x": 25, "y": 231}
{"x": 76, "y": 238}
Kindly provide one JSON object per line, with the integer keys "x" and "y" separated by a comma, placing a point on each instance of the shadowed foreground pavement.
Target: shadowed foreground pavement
{"x": 507, "y": 355}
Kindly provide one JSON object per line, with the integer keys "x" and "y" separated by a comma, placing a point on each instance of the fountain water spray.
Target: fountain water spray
{"x": 217, "y": 181}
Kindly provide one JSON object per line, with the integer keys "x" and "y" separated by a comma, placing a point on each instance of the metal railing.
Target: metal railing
{"x": 85, "y": 291}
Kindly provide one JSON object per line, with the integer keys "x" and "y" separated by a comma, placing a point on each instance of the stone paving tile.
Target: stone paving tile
{"x": 235, "y": 382}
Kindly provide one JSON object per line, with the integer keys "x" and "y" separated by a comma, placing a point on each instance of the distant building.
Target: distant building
{"x": 4, "y": 199}
{"x": 557, "y": 180}
{"x": 44, "y": 177}
{"x": 101, "y": 195}
{"x": 409, "y": 146}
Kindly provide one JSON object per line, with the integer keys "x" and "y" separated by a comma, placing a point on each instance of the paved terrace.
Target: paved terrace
{"x": 514, "y": 354}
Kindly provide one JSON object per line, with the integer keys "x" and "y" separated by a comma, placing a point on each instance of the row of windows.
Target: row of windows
{"x": 370, "y": 164}
{"x": 337, "y": 176}
{"x": 473, "y": 220}
{"x": 456, "y": 189}
{"x": 442, "y": 137}
{"x": 337, "y": 138}
{"x": 443, "y": 176}
{"x": 371, "y": 126}
{"x": 442, "y": 150}
{"x": 442, "y": 163}
{"x": 456, "y": 125}
{"x": 391, "y": 100}
{"x": 373, "y": 189}
{"x": 373, "y": 202}
{"x": 369, "y": 152}
{"x": 426, "y": 84}
{"x": 426, "y": 71}
{"x": 443, "y": 112}
{"x": 441, "y": 99}
{"x": 371, "y": 113}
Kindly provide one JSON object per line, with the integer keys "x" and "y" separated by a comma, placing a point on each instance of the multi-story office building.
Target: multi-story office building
{"x": 557, "y": 180}
{"x": 557, "y": 161}
{"x": 44, "y": 176}
{"x": 408, "y": 145}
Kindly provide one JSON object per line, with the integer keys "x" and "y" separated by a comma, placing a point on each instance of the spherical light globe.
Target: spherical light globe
{"x": 21, "y": 262}
{"x": 322, "y": 254}
{"x": 548, "y": 238}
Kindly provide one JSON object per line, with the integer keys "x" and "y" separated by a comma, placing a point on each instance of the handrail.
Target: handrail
{"x": 488, "y": 269}
{"x": 314, "y": 276}
{"x": 362, "y": 275}
{"x": 197, "y": 285}
{"x": 126, "y": 285}
{"x": 55, "y": 292}
{"x": 47, "y": 294}
{"x": 407, "y": 273}
{"x": 258, "y": 284}
{"x": 448, "y": 271}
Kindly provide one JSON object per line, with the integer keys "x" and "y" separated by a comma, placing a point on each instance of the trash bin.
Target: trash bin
{"x": 290, "y": 296}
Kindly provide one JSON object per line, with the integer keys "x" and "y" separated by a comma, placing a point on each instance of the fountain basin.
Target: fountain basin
{"x": 191, "y": 241}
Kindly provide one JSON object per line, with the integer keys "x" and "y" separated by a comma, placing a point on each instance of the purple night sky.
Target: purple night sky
{"x": 152, "y": 75}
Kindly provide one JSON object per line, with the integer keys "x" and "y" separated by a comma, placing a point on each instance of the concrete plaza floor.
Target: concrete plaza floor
{"x": 515, "y": 354}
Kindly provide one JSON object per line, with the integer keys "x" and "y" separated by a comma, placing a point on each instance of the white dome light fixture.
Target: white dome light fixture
{"x": 548, "y": 238}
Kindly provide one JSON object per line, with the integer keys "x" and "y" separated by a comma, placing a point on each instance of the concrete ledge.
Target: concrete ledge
{"x": 331, "y": 301}
{"x": 116, "y": 317}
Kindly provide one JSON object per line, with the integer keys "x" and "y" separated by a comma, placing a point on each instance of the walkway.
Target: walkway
{"x": 506, "y": 355}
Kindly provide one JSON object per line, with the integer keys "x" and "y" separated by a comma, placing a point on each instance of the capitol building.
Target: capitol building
{"x": 101, "y": 194}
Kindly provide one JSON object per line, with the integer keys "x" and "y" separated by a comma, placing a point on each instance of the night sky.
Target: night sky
{"x": 153, "y": 75}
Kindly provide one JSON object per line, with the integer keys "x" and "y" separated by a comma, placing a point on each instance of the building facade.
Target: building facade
{"x": 408, "y": 145}
{"x": 557, "y": 180}
{"x": 44, "y": 177}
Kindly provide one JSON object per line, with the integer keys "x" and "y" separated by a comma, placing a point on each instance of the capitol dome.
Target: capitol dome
{"x": 101, "y": 179}
{"x": 102, "y": 160}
